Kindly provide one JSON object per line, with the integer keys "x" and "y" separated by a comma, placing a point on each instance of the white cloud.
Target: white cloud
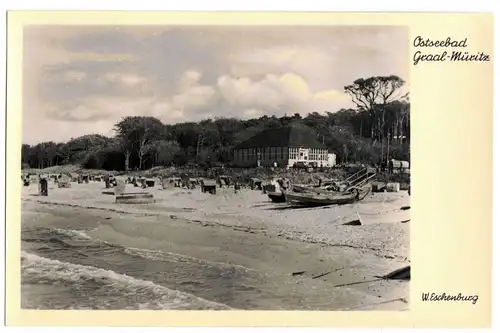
{"x": 166, "y": 112}
{"x": 74, "y": 76}
{"x": 241, "y": 96}
{"x": 186, "y": 74}
{"x": 81, "y": 113}
{"x": 190, "y": 93}
{"x": 331, "y": 100}
{"x": 252, "y": 113}
{"x": 101, "y": 108}
{"x": 160, "y": 108}
{"x": 273, "y": 92}
{"x": 194, "y": 97}
{"x": 312, "y": 63}
{"x": 189, "y": 79}
{"x": 128, "y": 79}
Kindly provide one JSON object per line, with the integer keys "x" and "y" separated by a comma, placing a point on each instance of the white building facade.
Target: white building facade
{"x": 296, "y": 147}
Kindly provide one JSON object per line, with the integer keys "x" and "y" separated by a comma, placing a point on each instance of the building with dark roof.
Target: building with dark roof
{"x": 282, "y": 147}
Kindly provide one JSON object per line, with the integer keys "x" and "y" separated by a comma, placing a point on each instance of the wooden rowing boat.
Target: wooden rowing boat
{"x": 312, "y": 199}
{"x": 328, "y": 198}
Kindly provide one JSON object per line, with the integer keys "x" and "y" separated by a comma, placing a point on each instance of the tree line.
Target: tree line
{"x": 378, "y": 129}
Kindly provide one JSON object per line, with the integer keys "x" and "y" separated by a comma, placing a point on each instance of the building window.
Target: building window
{"x": 294, "y": 153}
{"x": 313, "y": 154}
{"x": 324, "y": 155}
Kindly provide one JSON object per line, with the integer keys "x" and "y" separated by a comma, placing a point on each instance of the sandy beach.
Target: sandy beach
{"x": 193, "y": 250}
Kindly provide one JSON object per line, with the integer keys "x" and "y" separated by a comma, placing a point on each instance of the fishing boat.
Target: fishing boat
{"x": 324, "y": 199}
{"x": 276, "y": 196}
{"x": 312, "y": 199}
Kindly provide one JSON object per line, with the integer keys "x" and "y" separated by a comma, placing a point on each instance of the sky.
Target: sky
{"x": 81, "y": 80}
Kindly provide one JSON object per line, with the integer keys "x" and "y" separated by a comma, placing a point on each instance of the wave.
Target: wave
{"x": 48, "y": 235}
{"x": 43, "y": 233}
{"x": 157, "y": 255}
{"x": 42, "y": 270}
{"x": 72, "y": 233}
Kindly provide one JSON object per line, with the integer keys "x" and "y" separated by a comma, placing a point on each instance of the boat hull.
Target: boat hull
{"x": 276, "y": 197}
{"x": 309, "y": 199}
{"x": 310, "y": 189}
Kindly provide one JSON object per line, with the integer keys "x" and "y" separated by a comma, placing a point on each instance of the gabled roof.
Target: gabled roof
{"x": 282, "y": 137}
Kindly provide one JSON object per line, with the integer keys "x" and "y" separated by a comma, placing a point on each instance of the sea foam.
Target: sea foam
{"x": 38, "y": 268}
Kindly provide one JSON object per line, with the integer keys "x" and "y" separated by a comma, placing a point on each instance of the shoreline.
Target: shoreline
{"x": 229, "y": 229}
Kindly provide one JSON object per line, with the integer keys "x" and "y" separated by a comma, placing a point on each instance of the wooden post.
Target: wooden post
{"x": 388, "y": 144}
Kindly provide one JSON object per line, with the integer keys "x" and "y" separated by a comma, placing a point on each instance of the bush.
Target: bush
{"x": 91, "y": 161}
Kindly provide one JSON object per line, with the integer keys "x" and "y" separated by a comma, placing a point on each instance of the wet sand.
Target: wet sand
{"x": 261, "y": 246}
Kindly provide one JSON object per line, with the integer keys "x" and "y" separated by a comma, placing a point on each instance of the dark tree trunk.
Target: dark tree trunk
{"x": 141, "y": 158}
{"x": 127, "y": 160}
